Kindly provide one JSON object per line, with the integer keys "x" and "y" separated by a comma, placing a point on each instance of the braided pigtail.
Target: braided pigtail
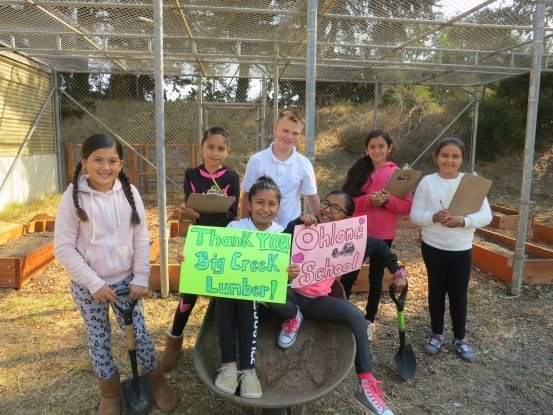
{"x": 135, "y": 219}
{"x": 80, "y": 212}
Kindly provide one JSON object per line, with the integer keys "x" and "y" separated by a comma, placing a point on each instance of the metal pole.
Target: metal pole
{"x": 530, "y": 138}
{"x": 311, "y": 77}
{"x": 477, "y": 97}
{"x": 160, "y": 146}
{"x": 57, "y": 132}
{"x": 200, "y": 97}
{"x": 442, "y": 133}
{"x": 275, "y": 86}
{"x": 26, "y": 140}
{"x": 375, "y": 107}
{"x": 263, "y": 112}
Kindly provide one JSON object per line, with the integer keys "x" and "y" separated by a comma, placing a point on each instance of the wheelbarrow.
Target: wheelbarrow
{"x": 319, "y": 361}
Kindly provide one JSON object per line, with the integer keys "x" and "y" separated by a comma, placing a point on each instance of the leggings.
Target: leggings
{"x": 334, "y": 310}
{"x": 448, "y": 273}
{"x": 243, "y": 314}
{"x": 376, "y": 278}
{"x": 185, "y": 307}
{"x": 98, "y": 330}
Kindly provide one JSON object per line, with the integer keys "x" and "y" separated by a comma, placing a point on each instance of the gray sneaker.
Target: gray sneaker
{"x": 369, "y": 396}
{"x": 463, "y": 350}
{"x": 434, "y": 344}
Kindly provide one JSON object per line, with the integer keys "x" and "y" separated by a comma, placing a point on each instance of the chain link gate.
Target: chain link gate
{"x": 414, "y": 115}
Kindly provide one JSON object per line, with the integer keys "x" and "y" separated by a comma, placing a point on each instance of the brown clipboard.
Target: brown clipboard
{"x": 209, "y": 203}
{"x": 470, "y": 195}
{"x": 402, "y": 181}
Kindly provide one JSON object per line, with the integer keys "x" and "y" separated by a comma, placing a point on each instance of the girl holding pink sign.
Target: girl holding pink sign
{"x": 313, "y": 301}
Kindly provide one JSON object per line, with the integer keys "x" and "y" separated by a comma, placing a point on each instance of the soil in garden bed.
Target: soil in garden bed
{"x": 176, "y": 245}
{"x": 498, "y": 246}
{"x": 30, "y": 242}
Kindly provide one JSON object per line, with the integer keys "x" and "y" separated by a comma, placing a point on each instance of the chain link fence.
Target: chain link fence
{"x": 123, "y": 106}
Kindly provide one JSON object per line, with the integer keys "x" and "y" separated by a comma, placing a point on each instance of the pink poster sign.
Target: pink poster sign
{"x": 328, "y": 249}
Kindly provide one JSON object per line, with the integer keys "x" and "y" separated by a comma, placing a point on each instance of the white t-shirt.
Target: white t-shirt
{"x": 431, "y": 190}
{"x": 294, "y": 176}
{"x": 247, "y": 223}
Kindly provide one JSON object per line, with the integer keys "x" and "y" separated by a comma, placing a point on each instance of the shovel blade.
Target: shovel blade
{"x": 138, "y": 396}
{"x": 406, "y": 362}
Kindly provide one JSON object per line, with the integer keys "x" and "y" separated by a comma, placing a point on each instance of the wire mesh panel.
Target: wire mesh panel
{"x": 400, "y": 41}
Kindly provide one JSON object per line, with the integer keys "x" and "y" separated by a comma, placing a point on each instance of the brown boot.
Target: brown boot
{"x": 110, "y": 395}
{"x": 164, "y": 396}
{"x": 173, "y": 345}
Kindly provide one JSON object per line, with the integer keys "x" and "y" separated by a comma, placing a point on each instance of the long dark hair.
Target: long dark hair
{"x": 361, "y": 171}
{"x": 216, "y": 131}
{"x": 350, "y": 204}
{"x": 264, "y": 183}
{"x": 454, "y": 141}
{"x": 90, "y": 145}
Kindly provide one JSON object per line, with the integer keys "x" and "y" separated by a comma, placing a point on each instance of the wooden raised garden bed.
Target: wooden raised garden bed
{"x": 497, "y": 259}
{"x": 17, "y": 270}
{"x": 543, "y": 232}
{"x": 361, "y": 284}
{"x": 174, "y": 268}
{"x": 506, "y": 218}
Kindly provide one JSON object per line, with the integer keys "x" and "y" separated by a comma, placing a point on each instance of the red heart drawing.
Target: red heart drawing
{"x": 297, "y": 258}
{"x": 361, "y": 221}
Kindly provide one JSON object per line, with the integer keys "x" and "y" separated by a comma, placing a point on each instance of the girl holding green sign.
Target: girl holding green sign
{"x": 263, "y": 203}
{"x": 212, "y": 177}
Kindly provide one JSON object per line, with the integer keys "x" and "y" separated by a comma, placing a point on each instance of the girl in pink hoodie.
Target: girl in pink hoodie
{"x": 365, "y": 182}
{"x": 101, "y": 238}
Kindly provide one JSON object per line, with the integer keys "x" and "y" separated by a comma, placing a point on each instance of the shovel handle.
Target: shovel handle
{"x": 126, "y": 311}
{"x": 400, "y": 301}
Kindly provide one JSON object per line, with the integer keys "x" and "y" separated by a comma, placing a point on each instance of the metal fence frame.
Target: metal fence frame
{"x": 292, "y": 57}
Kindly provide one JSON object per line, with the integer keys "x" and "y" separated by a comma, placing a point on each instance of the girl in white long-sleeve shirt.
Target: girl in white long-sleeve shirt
{"x": 447, "y": 246}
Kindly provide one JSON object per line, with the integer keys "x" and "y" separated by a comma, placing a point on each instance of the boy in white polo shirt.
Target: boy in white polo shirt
{"x": 292, "y": 172}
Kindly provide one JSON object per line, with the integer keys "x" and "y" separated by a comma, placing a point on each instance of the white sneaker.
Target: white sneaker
{"x": 369, "y": 396}
{"x": 249, "y": 385}
{"x": 289, "y": 332}
{"x": 227, "y": 380}
{"x": 371, "y": 328}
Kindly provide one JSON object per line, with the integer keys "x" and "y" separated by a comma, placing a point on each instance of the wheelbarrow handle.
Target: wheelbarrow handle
{"x": 399, "y": 301}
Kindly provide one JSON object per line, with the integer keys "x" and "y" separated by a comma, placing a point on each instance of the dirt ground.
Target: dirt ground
{"x": 45, "y": 368}
{"x": 26, "y": 244}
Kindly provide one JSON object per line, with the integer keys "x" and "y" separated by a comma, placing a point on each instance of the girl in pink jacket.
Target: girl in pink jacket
{"x": 101, "y": 238}
{"x": 365, "y": 182}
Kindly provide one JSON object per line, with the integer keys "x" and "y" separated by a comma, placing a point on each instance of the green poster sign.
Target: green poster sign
{"x": 235, "y": 263}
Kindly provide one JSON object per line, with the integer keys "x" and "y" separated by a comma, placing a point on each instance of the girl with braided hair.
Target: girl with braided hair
{"x": 101, "y": 238}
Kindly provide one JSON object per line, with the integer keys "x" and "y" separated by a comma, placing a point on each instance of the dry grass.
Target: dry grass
{"x": 45, "y": 368}
{"x": 15, "y": 212}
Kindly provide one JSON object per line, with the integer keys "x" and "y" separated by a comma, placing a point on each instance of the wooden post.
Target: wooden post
{"x": 70, "y": 165}
{"x": 146, "y": 178}
{"x": 132, "y": 168}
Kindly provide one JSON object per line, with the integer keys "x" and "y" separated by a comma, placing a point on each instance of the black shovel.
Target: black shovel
{"x": 405, "y": 357}
{"x": 138, "y": 391}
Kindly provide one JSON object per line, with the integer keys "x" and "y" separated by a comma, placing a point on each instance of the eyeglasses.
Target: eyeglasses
{"x": 325, "y": 204}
